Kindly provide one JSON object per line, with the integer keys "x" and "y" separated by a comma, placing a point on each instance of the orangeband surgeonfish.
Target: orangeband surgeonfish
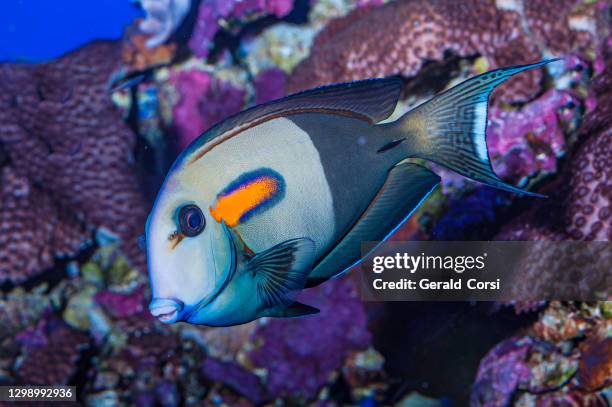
{"x": 279, "y": 197}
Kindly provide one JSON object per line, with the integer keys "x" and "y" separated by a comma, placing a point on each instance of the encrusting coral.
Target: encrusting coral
{"x": 341, "y": 328}
{"x": 579, "y": 204}
{"x": 526, "y": 141}
{"x": 67, "y": 165}
{"x": 137, "y": 56}
{"x": 212, "y": 12}
{"x": 420, "y": 31}
{"x": 51, "y": 352}
{"x": 203, "y": 100}
{"x": 578, "y": 208}
{"x": 565, "y": 359}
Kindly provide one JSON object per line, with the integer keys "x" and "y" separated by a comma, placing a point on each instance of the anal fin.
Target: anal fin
{"x": 294, "y": 310}
{"x": 406, "y": 186}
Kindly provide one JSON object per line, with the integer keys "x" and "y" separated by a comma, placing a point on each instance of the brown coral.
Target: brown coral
{"x": 19, "y": 309}
{"x": 559, "y": 26}
{"x": 138, "y": 57}
{"x": 562, "y": 322}
{"x": 152, "y": 369}
{"x": 595, "y": 369}
{"x": 417, "y": 31}
{"x": 66, "y": 166}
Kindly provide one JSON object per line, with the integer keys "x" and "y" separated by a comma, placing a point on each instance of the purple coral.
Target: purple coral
{"x": 525, "y": 141}
{"x": 500, "y": 373}
{"x": 51, "y": 350}
{"x": 203, "y": 101}
{"x": 416, "y": 32}
{"x": 296, "y": 362}
{"x": 211, "y": 11}
{"x": 269, "y": 85}
{"x": 518, "y": 365}
{"x": 579, "y": 204}
{"x": 300, "y": 354}
{"x": 66, "y": 163}
{"x": 122, "y": 305}
{"x": 151, "y": 369}
{"x": 235, "y": 376}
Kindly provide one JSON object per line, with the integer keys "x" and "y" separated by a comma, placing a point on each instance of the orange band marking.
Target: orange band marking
{"x": 233, "y": 206}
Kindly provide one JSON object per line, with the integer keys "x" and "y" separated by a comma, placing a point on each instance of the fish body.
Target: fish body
{"x": 280, "y": 196}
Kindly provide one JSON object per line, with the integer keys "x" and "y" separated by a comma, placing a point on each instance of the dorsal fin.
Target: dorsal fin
{"x": 371, "y": 99}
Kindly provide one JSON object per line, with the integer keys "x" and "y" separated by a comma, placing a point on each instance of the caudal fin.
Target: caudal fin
{"x": 450, "y": 129}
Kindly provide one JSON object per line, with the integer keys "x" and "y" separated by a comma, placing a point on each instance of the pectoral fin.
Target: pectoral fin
{"x": 407, "y": 185}
{"x": 296, "y": 309}
{"x": 282, "y": 270}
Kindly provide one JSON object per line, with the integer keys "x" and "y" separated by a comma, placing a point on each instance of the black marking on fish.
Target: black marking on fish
{"x": 403, "y": 191}
{"x": 353, "y": 170}
{"x": 390, "y": 145}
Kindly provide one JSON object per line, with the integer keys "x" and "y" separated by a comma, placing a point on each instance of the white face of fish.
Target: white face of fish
{"x": 189, "y": 256}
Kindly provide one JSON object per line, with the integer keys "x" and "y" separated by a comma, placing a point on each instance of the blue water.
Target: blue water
{"x": 38, "y": 30}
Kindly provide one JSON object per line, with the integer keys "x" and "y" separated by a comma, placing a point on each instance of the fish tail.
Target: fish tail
{"x": 450, "y": 129}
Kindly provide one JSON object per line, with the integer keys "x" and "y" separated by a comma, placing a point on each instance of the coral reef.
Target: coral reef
{"x": 121, "y": 305}
{"x": 582, "y": 203}
{"x": 66, "y": 167}
{"x": 262, "y": 363}
{"x": 515, "y": 364}
{"x": 529, "y": 140}
{"x": 365, "y": 375}
{"x": 595, "y": 370}
{"x": 51, "y": 350}
{"x": 19, "y": 309}
{"x": 138, "y": 56}
{"x": 238, "y": 378}
{"x": 211, "y": 12}
{"x": 203, "y": 100}
{"x": 148, "y": 371}
{"x": 76, "y": 134}
{"x": 281, "y": 46}
{"x": 282, "y": 345}
{"x": 418, "y": 31}
{"x": 548, "y": 367}
{"x": 269, "y": 85}
{"x": 578, "y": 207}
{"x": 162, "y": 19}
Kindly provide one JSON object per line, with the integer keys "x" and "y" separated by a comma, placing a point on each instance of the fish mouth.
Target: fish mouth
{"x": 227, "y": 275}
{"x": 165, "y": 310}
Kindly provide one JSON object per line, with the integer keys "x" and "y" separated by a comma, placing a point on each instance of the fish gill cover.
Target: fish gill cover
{"x": 81, "y": 158}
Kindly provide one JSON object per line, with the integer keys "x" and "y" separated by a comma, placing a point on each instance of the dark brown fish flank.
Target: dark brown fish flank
{"x": 353, "y": 170}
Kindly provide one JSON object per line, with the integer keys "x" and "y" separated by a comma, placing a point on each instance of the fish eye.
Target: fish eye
{"x": 191, "y": 220}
